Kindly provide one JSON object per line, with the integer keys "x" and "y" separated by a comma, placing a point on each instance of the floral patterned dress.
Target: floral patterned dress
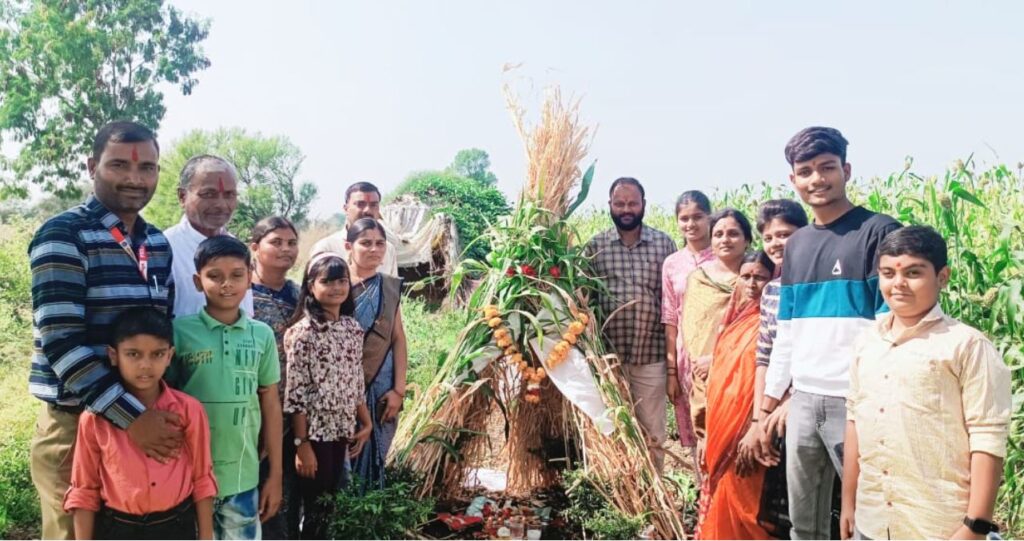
{"x": 326, "y": 380}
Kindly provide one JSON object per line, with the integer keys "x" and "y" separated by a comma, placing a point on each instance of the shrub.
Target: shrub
{"x": 389, "y": 513}
{"x": 19, "y": 505}
{"x": 589, "y": 509}
{"x": 471, "y": 205}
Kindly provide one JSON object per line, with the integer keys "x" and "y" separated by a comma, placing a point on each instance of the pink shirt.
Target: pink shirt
{"x": 110, "y": 469}
{"x": 674, "y": 272}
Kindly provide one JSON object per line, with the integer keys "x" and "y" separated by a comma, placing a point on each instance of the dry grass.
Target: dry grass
{"x": 554, "y": 149}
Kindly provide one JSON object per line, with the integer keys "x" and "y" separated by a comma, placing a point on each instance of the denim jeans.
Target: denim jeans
{"x": 815, "y": 430}
{"x": 237, "y": 516}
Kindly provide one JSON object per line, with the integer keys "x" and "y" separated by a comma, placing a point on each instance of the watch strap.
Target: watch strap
{"x": 980, "y": 526}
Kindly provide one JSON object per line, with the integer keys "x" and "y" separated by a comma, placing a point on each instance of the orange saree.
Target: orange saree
{"x": 730, "y": 503}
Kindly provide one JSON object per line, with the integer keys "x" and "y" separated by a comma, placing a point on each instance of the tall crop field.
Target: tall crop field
{"x": 981, "y": 215}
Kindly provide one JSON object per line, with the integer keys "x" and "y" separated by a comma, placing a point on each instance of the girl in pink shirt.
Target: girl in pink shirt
{"x": 692, "y": 215}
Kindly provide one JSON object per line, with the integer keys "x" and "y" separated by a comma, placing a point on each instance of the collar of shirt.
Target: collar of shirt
{"x": 646, "y": 235}
{"x": 322, "y": 326}
{"x": 702, "y": 256}
{"x": 97, "y": 210}
{"x": 213, "y": 324}
{"x": 885, "y": 331}
{"x": 166, "y": 400}
{"x": 192, "y": 234}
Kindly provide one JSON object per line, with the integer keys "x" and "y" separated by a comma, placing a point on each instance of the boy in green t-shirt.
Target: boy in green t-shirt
{"x": 229, "y": 363}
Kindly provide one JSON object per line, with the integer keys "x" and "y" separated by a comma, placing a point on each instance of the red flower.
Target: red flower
{"x": 528, "y": 270}
{"x": 555, "y": 272}
{"x": 511, "y": 271}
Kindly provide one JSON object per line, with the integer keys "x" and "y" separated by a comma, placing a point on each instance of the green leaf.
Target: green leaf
{"x": 967, "y": 196}
{"x": 588, "y": 177}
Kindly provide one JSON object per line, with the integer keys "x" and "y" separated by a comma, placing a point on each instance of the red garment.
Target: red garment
{"x": 110, "y": 469}
{"x": 731, "y": 505}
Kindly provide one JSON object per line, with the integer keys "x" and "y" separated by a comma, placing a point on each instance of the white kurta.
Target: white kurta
{"x": 184, "y": 240}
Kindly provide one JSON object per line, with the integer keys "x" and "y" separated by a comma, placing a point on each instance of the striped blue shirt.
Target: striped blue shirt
{"x": 769, "y": 321}
{"x": 81, "y": 279}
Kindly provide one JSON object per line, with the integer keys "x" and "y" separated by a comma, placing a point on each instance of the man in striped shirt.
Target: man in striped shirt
{"x": 88, "y": 264}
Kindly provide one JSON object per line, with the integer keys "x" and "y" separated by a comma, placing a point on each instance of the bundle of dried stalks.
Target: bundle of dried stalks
{"x": 554, "y": 149}
{"x": 623, "y": 461}
{"x": 534, "y": 431}
{"x": 443, "y": 433}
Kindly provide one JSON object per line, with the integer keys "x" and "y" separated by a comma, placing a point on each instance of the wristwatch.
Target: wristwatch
{"x": 299, "y": 441}
{"x": 980, "y": 526}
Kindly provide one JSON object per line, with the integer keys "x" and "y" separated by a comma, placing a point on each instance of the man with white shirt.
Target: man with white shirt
{"x": 208, "y": 193}
{"x": 362, "y": 200}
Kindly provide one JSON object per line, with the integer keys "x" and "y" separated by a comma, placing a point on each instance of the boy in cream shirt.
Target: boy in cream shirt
{"x": 928, "y": 409}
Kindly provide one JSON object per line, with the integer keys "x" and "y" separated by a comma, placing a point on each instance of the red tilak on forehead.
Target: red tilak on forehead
{"x": 135, "y": 153}
{"x": 220, "y": 181}
{"x": 898, "y": 264}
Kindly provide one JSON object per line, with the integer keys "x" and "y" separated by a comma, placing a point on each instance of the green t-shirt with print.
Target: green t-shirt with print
{"x": 222, "y": 366}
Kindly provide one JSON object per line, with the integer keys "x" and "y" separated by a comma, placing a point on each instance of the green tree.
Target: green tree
{"x": 471, "y": 205}
{"x": 68, "y": 67}
{"x": 268, "y": 176}
{"x": 473, "y": 163}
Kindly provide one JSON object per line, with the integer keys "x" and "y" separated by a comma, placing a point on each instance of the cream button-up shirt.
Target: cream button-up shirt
{"x": 184, "y": 240}
{"x": 923, "y": 400}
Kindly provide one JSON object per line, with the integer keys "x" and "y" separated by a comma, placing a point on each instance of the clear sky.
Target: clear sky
{"x": 685, "y": 95}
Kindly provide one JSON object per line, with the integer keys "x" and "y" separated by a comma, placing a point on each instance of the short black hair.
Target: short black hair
{"x": 736, "y": 215}
{"x": 630, "y": 181}
{"x": 787, "y": 210}
{"x": 365, "y": 187}
{"x": 761, "y": 258}
{"x": 121, "y": 131}
{"x": 221, "y": 246}
{"x": 694, "y": 196}
{"x": 814, "y": 141}
{"x": 917, "y": 241}
{"x": 141, "y": 320}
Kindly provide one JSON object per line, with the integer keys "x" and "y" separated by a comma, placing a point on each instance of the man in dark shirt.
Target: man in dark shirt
{"x": 88, "y": 264}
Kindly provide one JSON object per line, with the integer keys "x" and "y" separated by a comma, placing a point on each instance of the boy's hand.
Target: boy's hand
{"x": 305, "y": 461}
{"x": 775, "y": 423}
{"x": 359, "y": 440}
{"x": 846, "y": 525}
{"x": 963, "y": 532}
{"x": 746, "y": 458}
{"x": 766, "y": 452}
{"x": 270, "y": 497}
{"x": 158, "y": 433}
{"x": 672, "y": 387}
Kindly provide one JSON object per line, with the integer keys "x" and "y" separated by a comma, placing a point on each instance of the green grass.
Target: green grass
{"x": 430, "y": 333}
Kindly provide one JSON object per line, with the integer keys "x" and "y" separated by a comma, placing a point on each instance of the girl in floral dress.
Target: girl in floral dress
{"x": 324, "y": 392}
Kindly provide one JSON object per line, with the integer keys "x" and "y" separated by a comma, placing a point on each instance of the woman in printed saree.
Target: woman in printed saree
{"x": 708, "y": 290}
{"x": 732, "y": 489}
{"x": 385, "y": 359}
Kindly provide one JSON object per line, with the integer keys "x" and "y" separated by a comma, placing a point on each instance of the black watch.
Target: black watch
{"x": 980, "y": 526}
{"x": 300, "y": 441}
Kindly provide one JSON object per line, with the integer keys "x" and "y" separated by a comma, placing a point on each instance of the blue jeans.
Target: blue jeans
{"x": 237, "y": 516}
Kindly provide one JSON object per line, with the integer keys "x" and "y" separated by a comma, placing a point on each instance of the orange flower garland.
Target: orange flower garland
{"x": 533, "y": 376}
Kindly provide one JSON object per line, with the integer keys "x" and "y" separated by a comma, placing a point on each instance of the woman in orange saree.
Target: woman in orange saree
{"x": 731, "y": 492}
